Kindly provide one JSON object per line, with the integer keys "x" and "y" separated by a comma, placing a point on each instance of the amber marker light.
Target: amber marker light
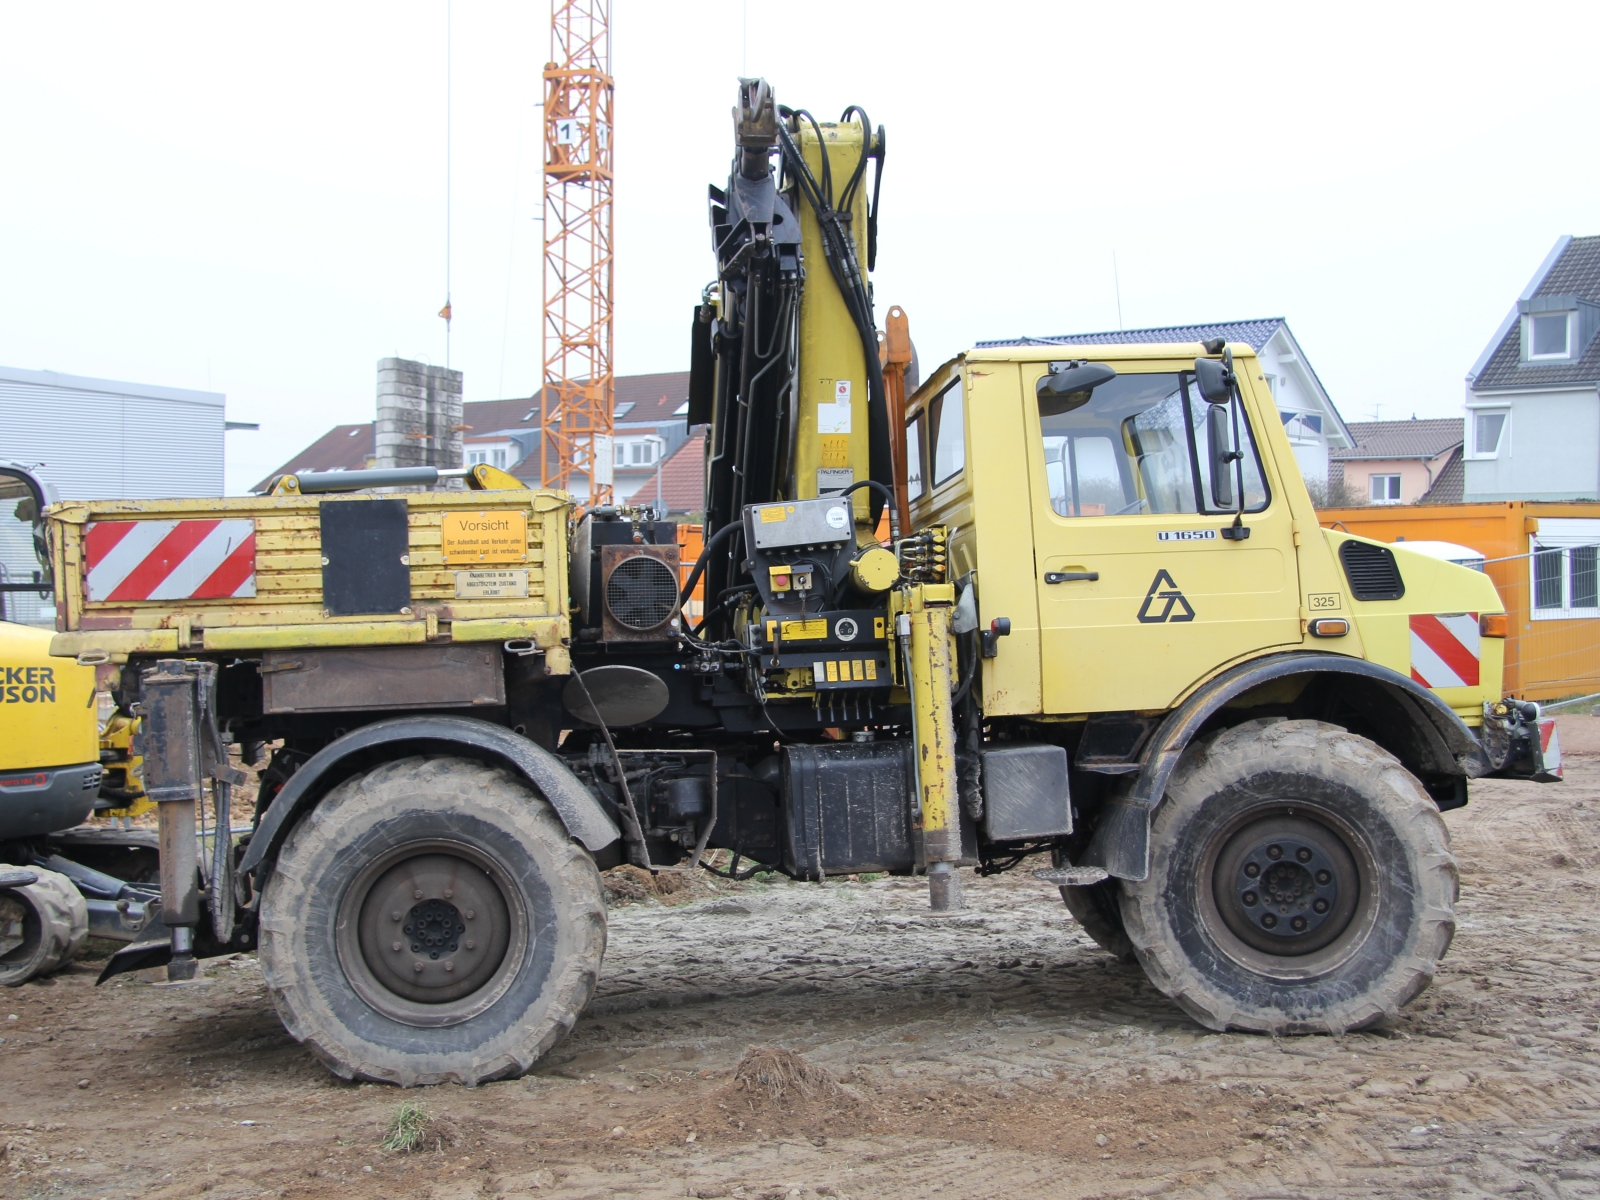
{"x": 1493, "y": 625}
{"x": 1326, "y": 627}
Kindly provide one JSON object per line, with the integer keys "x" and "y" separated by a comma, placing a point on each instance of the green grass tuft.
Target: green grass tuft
{"x": 407, "y": 1129}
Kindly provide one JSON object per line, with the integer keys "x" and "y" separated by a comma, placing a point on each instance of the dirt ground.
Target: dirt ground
{"x": 997, "y": 1052}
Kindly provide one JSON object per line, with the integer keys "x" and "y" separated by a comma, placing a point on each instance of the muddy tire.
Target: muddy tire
{"x": 429, "y": 922}
{"x": 1097, "y": 910}
{"x": 1300, "y": 881}
{"x": 54, "y": 924}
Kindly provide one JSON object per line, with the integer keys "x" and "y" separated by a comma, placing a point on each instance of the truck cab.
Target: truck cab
{"x": 1114, "y": 539}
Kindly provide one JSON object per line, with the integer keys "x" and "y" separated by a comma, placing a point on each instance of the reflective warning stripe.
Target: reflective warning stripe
{"x": 170, "y": 560}
{"x": 1445, "y": 650}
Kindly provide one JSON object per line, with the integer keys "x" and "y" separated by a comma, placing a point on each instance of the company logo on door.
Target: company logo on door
{"x": 1174, "y": 608}
{"x": 484, "y": 537}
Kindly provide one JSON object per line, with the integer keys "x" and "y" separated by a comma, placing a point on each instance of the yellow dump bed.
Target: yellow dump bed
{"x": 287, "y": 571}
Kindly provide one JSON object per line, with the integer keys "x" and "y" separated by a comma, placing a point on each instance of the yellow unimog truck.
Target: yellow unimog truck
{"x": 1105, "y": 638}
{"x": 56, "y": 739}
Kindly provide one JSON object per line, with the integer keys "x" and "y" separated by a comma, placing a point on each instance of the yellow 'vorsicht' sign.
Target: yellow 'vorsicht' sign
{"x": 484, "y": 537}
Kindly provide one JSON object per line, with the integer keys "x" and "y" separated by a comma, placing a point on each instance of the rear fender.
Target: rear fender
{"x": 1411, "y": 722}
{"x": 579, "y": 811}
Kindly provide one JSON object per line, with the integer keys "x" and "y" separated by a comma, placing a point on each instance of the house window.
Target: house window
{"x": 1488, "y": 430}
{"x": 1565, "y": 566}
{"x": 1548, "y": 336}
{"x": 637, "y": 452}
{"x": 1385, "y": 489}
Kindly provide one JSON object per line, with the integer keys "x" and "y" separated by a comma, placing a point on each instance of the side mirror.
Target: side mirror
{"x": 1215, "y": 380}
{"x": 1069, "y": 386}
{"x": 1219, "y": 452}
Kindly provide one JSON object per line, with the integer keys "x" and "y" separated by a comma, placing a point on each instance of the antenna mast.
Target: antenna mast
{"x": 578, "y": 387}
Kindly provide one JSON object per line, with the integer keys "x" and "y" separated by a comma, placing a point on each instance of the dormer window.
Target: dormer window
{"x": 1550, "y": 335}
{"x": 1557, "y": 329}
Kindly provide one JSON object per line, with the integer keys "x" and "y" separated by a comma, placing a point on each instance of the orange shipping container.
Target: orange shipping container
{"x": 1542, "y": 557}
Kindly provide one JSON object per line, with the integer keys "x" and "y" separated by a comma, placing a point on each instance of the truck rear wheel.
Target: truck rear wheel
{"x": 43, "y": 926}
{"x": 1097, "y": 911}
{"x": 431, "y": 921}
{"x": 1300, "y": 881}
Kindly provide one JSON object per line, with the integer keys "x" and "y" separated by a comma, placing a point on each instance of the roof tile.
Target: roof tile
{"x": 1256, "y": 332}
{"x": 1575, "y": 273}
{"x": 1402, "y": 439}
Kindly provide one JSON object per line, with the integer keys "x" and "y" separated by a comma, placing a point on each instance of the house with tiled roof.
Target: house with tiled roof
{"x": 1309, "y": 417}
{"x": 648, "y": 416}
{"x": 1400, "y": 462}
{"x": 1533, "y": 396}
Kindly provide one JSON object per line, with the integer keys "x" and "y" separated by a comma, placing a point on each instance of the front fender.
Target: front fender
{"x": 579, "y": 811}
{"x": 1437, "y": 742}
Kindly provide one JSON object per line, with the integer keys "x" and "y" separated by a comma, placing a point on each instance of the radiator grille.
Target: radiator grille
{"x": 1372, "y": 571}
{"x": 642, "y": 592}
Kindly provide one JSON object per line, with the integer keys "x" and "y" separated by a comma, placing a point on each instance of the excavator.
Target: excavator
{"x": 1060, "y": 608}
{"x": 63, "y": 756}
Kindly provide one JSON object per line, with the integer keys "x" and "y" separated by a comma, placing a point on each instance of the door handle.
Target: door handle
{"x": 1070, "y": 576}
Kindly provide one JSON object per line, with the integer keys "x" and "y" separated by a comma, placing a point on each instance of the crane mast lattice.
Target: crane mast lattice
{"x": 577, "y": 350}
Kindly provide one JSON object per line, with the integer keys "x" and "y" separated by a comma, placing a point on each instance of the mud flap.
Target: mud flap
{"x": 1121, "y": 843}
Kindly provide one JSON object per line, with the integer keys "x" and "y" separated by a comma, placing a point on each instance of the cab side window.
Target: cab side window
{"x": 1139, "y": 445}
{"x": 26, "y": 593}
{"x": 914, "y": 479}
{"x": 948, "y": 428}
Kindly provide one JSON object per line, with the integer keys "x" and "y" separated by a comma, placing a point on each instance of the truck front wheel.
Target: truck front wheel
{"x": 1300, "y": 881}
{"x": 431, "y": 921}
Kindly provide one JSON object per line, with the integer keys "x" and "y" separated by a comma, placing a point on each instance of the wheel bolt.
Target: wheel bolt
{"x": 1303, "y": 854}
{"x": 417, "y": 895}
{"x": 468, "y": 914}
{"x": 395, "y": 946}
{"x": 1249, "y": 899}
{"x": 448, "y": 893}
{"x": 395, "y": 915}
{"x": 449, "y": 966}
{"x": 416, "y": 966}
{"x": 1273, "y": 852}
{"x": 1324, "y": 878}
{"x": 1252, "y": 870}
{"x": 1298, "y": 924}
{"x": 1269, "y": 920}
{"x": 1320, "y": 906}
{"x": 471, "y": 945}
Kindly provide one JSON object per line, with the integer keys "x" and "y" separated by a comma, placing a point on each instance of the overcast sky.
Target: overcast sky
{"x": 251, "y": 200}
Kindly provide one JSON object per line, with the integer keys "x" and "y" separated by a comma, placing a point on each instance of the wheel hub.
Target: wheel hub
{"x": 433, "y": 928}
{"x": 1287, "y": 887}
{"x": 1284, "y": 883}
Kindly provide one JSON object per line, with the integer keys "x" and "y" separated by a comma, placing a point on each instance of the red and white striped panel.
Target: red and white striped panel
{"x": 1445, "y": 649}
{"x": 171, "y": 560}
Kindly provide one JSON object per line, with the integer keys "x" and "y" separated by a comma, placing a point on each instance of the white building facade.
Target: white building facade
{"x": 1533, "y": 396}
{"x": 97, "y": 439}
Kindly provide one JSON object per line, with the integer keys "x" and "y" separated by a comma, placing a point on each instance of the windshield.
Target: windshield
{"x": 1139, "y": 446}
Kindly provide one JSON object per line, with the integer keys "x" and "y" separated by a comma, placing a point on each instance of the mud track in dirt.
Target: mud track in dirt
{"x": 993, "y": 1053}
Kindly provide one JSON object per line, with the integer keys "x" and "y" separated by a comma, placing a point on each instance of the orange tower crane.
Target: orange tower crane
{"x": 578, "y": 177}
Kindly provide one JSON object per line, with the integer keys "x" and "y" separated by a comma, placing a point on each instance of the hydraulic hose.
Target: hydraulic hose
{"x": 888, "y": 500}
{"x": 712, "y": 543}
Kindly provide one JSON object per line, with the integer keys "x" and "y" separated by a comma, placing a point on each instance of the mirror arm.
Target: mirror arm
{"x": 1238, "y": 531}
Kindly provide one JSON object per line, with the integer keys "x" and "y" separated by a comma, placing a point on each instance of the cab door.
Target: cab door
{"x": 1141, "y": 592}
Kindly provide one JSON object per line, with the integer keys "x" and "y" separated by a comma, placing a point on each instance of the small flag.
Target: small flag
{"x": 445, "y": 311}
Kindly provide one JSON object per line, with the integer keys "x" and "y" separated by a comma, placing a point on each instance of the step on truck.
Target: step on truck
{"x": 1104, "y": 640}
